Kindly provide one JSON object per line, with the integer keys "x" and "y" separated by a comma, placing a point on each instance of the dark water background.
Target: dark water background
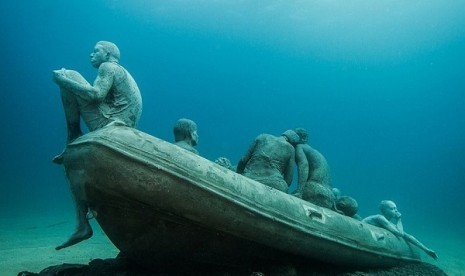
{"x": 378, "y": 84}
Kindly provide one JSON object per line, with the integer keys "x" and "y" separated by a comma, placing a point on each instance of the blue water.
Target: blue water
{"x": 380, "y": 85}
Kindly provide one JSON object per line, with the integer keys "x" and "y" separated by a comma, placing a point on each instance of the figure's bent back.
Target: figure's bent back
{"x": 269, "y": 161}
{"x": 270, "y": 157}
{"x": 318, "y": 166}
{"x": 123, "y": 102}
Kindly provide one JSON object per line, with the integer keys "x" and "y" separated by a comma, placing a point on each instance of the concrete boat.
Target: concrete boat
{"x": 160, "y": 204}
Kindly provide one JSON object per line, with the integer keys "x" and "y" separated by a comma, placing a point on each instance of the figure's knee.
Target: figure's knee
{"x": 75, "y": 75}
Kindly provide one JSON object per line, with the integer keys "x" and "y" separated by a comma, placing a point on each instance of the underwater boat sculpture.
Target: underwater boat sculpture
{"x": 160, "y": 204}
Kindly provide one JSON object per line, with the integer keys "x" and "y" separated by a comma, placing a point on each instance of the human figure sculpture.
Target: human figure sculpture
{"x": 113, "y": 99}
{"x": 348, "y": 206}
{"x": 314, "y": 183}
{"x": 390, "y": 219}
{"x": 345, "y": 205}
{"x": 270, "y": 160}
{"x": 225, "y": 162}
{"x": 185, "y": 135}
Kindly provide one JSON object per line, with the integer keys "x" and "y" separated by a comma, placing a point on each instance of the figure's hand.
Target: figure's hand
{"x": 432, "y": 254}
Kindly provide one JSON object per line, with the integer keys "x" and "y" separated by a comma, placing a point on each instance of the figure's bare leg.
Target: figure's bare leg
{"x": 72, "y": 112}
{"x": 77, "y": 180}
{"x": 74, "y": 131}
{"x": 83, "y": 229}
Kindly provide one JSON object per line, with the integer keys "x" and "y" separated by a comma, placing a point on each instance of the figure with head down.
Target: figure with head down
{"x": 390, "y": 219}
{"x": 225, "y": 162}
{"x": 345, "y": 205}
{"x": 185, "y": 135}
{"x": 314, "y": 183}
{"x": 270, "y": 160}
{"x": 113, "y": 99}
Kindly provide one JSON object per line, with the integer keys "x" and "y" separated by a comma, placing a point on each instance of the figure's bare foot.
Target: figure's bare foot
{"x": 81, "y": 234}
{"x": 74, "y": 132}
{"x": 59, "y": 158}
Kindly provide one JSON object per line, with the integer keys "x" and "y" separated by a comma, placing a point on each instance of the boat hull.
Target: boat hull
{"x": 160, "y": 204}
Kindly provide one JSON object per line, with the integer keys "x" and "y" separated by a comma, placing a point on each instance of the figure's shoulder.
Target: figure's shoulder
{"x": 263, "y": 136}
{"x": 315, "y": 154}
{"x": 109, "y": 66}
{"x": 372, "y": 218}
{"x": 306, "y": 149}
{"x": 311, "y": 149}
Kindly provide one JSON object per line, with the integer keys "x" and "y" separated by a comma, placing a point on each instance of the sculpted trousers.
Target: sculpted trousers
{"x": 77, "y": 107}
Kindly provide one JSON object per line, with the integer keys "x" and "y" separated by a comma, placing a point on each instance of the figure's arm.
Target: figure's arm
{"x": 302, "y": 165}
{"x": 384, "y": 223}
{"x": 241, "y": 165}
{"x": 96, "y": 92}
{"x": 409, "y": 238}
{"x": 289, "y": 170}
{"x": 399, "y": 225}
{"x": 414, "y": 241}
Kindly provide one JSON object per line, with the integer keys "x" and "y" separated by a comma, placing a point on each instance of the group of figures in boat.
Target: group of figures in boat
{"x": 115, "y": 99}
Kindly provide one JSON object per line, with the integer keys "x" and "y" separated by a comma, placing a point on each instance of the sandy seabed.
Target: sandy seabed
{"x": 27, "y": 243}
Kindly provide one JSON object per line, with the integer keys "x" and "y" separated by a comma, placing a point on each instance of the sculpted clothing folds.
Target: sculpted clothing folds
{"x": 121, "y": 104}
